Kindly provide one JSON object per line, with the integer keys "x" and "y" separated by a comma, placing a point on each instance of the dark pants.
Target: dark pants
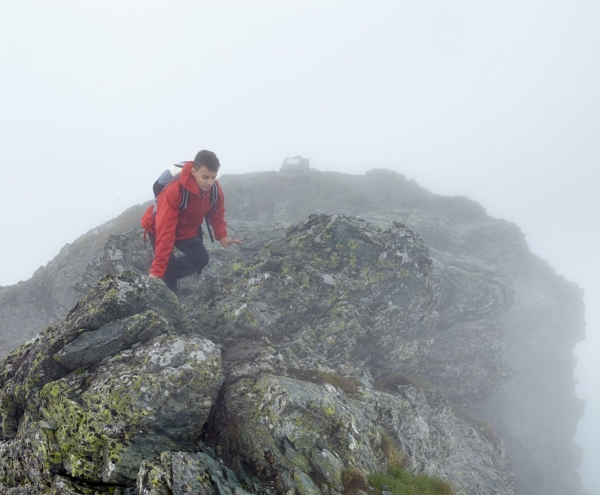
{"x": 195, "y": 257}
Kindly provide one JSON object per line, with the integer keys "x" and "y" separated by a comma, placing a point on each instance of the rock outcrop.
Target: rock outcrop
{"x": 119, "y": 381}
{"x": 496, "y": 340}
{"x": 278, "y": 376}
{"x": 527, "y": 392}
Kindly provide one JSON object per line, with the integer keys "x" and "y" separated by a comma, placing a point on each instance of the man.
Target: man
{"x": 174, "y": 221}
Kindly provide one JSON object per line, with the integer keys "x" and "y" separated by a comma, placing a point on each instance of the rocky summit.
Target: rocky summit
{"x": 419, "y": 332}
{"x": 282, "y": 375}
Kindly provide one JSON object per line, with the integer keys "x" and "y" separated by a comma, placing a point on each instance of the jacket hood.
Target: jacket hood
{"x": 187, "y": 180}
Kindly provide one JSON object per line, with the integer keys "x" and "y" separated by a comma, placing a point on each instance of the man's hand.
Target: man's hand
{"x": 226, "y": 242}
{"x": 151, "y": 275}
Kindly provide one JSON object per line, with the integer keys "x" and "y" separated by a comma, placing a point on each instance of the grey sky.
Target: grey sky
{"x": 498, "y": 101}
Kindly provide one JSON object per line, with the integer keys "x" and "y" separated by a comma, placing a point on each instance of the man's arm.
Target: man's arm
{"x": 166, "y": 226}
{"x": 216, "y": 217}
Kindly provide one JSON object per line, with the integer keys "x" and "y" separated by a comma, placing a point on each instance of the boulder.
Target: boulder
{"x": 114, "y": 384}
{"x": 335, "y": 290}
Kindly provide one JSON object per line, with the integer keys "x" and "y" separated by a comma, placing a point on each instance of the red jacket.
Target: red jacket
{"x": 171, "y": 224}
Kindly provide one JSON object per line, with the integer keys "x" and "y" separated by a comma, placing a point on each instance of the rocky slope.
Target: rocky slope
{"x": 538, "y": 317}
{"x": 280, "y": 375}
{"x": 28, "y": 307}
{"x": 496, "y": 339}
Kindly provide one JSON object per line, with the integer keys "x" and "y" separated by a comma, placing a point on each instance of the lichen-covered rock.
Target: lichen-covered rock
{"x": 466, "y": 355}
{"x": 323, "y": 330}
{"x": 508, "y": 364}
{"x": 335, "y": 289}
{"x": 182, "y": 472}
{"x": 121, "y": 252}
{"x": 29, "y": 368}
{"x": 436, "y": 440}
{"x": 302, "y": 434}
{"x": 509, "y": 370}
{"x": 139, "y": 403}
{"x": 127, "y": 252}
{"x": 92, "y": 418}
{"x": 92, "y": 347}
{"x": 277, "y": 424}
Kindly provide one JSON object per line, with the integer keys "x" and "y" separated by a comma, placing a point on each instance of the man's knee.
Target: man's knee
{"x": 199, "y": 254}
{"x": 201, "y": 258}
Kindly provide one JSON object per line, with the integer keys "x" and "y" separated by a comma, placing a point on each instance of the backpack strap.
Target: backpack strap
{"x": 185, "y": 198}
{"x": 214, "y": 194}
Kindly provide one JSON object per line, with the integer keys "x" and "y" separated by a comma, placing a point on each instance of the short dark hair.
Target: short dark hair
{"x": 208, "y": 159}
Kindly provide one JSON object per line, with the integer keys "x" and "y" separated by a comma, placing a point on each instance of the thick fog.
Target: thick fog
{"x": 497, "y": 101}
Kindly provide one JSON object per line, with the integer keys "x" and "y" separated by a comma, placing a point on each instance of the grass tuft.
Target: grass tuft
{"x": 401, "y": 482}
{"x": 394, "y": 458}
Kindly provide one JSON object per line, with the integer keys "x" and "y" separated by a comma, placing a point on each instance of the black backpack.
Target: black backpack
{"x": 172, "y": 174}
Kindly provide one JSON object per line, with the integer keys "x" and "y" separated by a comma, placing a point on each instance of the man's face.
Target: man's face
{"x": 205, "y": 178}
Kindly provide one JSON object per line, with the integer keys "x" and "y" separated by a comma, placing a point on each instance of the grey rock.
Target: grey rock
{"x": 366, "y": 383}
{"x": 32, "y": 366}
{"x": 94, "y": 346}
{"x": 471, "y": 289}
{"x": 305, "y": 485}
{"x": 184, "y": 472}
{"x": 530, "y": 339}
{"x": 271, "y": 416}
{"x": 97, "y": 425}
{"x": 375, "y": 299}
{"x": 190, "y": 475}
{"x": 328, "y": 467}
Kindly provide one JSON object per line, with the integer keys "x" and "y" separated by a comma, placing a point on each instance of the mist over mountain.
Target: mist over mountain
{"x": 368, "y": 278}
